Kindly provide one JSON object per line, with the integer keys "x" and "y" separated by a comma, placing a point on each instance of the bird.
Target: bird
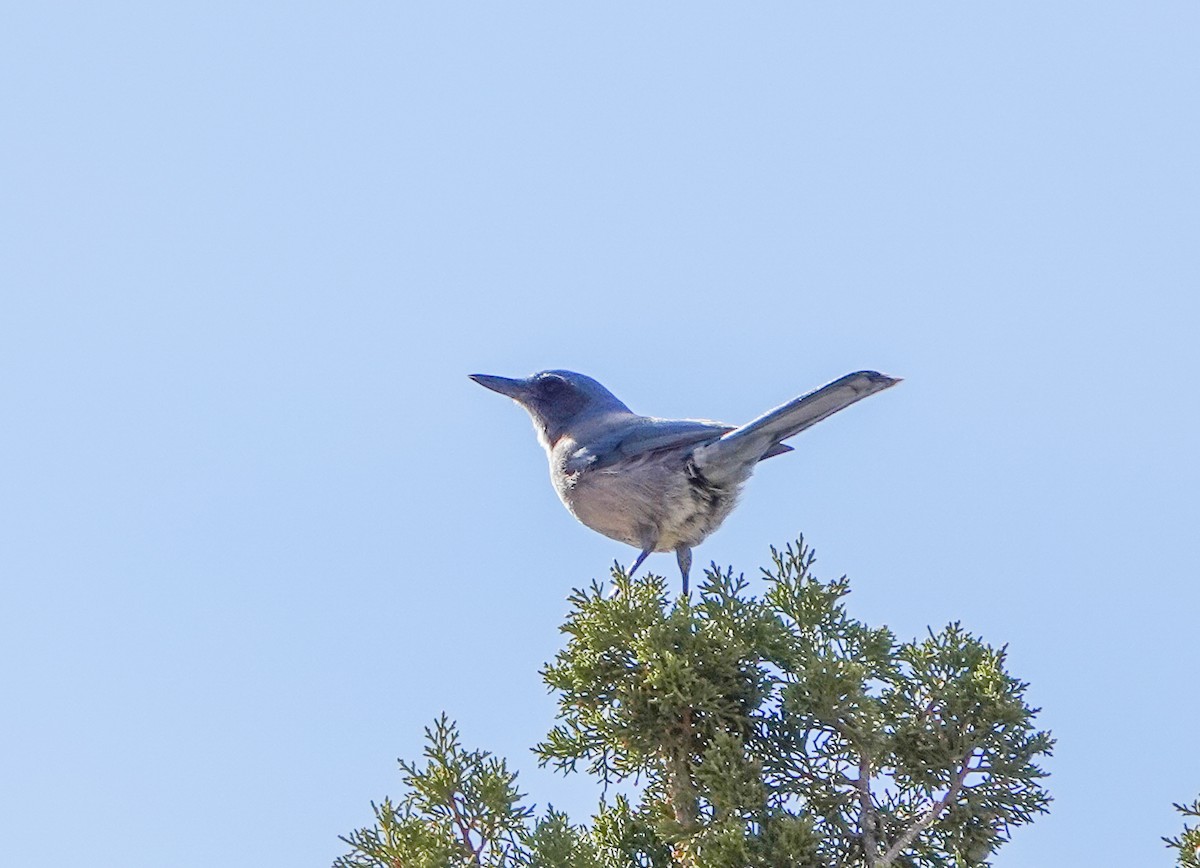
{"x": 658, "y": 485}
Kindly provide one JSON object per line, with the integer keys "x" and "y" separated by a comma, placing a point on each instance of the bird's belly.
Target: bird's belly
{"x": 661, "y": 509}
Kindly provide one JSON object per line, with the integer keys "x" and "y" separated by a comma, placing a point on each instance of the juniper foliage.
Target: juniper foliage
{"x": 771, "y": 730}
{"x": 1187, "y": 845}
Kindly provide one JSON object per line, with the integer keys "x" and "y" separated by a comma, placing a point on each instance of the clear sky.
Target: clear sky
{"x": 257, "y": 527}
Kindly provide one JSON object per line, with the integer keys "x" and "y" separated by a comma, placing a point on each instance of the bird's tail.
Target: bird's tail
{"x": 738, "y": 450}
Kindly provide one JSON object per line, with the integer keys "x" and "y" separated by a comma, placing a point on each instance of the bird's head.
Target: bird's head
{"x": 560, "y": 402}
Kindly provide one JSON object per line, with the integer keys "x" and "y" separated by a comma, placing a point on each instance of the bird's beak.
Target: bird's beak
{"x": 515, "y": 389}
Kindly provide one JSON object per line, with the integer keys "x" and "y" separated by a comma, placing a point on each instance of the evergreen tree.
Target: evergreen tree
{"x": 770, "y": 730}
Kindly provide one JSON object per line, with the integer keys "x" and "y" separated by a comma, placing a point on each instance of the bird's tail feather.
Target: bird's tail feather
{"x": 753, "y": 441}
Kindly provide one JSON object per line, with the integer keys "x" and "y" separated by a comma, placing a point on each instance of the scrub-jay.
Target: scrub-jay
{"x": 658, "y": 484}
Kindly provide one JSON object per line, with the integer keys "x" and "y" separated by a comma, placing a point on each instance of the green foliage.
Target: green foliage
{"x": 462, "y": 808}
{"x": 747, "y": 715}
{"x": 770, "y": 731}
{"x": 1188, "y": 843}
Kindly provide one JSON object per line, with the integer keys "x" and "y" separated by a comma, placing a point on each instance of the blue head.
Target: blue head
{"x": 558, "y": 401}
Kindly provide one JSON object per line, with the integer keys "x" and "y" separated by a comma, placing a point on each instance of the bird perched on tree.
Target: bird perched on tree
{"x": 658, "y": 484}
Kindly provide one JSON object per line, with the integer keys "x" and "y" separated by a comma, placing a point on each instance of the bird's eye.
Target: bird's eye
{"x": 551, "y": 385}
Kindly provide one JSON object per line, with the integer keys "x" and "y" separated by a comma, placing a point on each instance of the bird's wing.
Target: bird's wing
{"x": 644, "y": 436}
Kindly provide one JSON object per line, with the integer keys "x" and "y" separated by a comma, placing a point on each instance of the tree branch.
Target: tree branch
{"x": 935, "y": 810}
{"x": 464, "y": 829}
{"x": 867, "y": 816}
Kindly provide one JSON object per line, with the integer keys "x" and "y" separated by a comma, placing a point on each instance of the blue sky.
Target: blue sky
{"x": 257, "y": 528}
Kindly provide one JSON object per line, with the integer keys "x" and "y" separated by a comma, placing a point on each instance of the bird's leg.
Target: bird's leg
{"x": 684, "y": 555}
{"x": 645, "y": 552}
